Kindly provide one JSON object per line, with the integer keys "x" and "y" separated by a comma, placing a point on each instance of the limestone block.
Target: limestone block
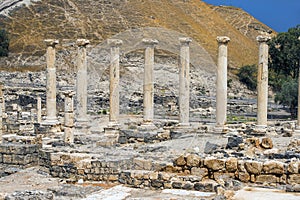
{"x": 7, "y": 159}
{"x": 253, "y": 141}
{"x": 180, "y": 161}
{"x": 294, "y": 179}
{"x": 231, "y": 164}
{"x": 266, "y": 143}
{"x": 243, "y": 176}
{"x": 201, "y": 172}
{"x": 141, "y": 164}
{"x": 293, "y": 167}
{"x": 253, "y": 167}
{"x": 273, "y": 167}
{"x": 177, "y": 185}
{"x": 167, "y": 185}
{"x": 193, "y": 160}
{"x": 204, "y": 186}
{"x": 214, "y": 164}
{"x": 267, "y": 179}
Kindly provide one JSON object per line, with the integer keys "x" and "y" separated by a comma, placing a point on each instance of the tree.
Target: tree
{"x": 284, "y": 50}
{"x": 4, "y": 43}
{"x": 248, "y": 75}
{"x": 288, "y": 96}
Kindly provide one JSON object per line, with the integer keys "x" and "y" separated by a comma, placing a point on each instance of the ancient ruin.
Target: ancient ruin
{"x": 79, "y": 149}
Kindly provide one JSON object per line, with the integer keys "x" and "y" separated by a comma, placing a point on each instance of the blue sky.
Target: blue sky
{"x": 279, "y": 15}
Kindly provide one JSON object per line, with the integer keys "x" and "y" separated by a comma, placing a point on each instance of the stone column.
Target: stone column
{"x": 1, "y": 111}
{"x": 262, "y": 83}
{"x": 39, "y": 109}
{"x": 51, "y": 82}
{"x": 148, "y": 81}
{"x": 81, "y": 84}
{"x": 221, "y": 96}
{"x": 298, "y": 117}
{"x": 184, "y": 82}
{"x": 69, "y": 117}
{"x": 114, "y": 77}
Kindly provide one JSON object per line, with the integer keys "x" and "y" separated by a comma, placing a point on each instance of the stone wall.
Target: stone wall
{"x": 19, "y": 154}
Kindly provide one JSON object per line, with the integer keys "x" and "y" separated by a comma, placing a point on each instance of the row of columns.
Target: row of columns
{"x": 184, "y": 81}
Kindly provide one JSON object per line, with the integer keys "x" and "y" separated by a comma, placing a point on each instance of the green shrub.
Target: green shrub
{"x": 248, "y": 76}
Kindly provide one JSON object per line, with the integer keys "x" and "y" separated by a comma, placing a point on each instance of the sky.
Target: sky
{"x": 280, "y": 15}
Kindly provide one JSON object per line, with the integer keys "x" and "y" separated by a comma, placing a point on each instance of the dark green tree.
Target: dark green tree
{"x": 288, "y": 96}
{"x": 284, "y": 51}
{"x": 248, "y": 75}
{"x": 4, "y": 43}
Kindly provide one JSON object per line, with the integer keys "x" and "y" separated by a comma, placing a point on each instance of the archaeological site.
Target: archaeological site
{"x": 139, "y": 99}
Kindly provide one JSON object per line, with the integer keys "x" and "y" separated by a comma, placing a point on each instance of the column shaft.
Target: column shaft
{"x": 114, "y": 77}
{"x": 1, "y": 111}
{"x": 69, "y": 118}
{"x": 262, "y": 82}
{"x": 221, "y": 96}
{"x": 51, "y": 82}
{"x": 298, "y": 115}
{"x": 81, "y": 83}
{"x": 184, "y": 81}
{"x": 39, "y": 109}
{"x": 148, "y": 80}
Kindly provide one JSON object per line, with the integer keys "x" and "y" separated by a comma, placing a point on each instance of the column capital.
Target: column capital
{"x": 223, "y": 39}
{"x": 263, "y": 38}
{"x": 150, "y": 42}
{"x": 185, "y": 40}
{"x": 51, "y": 42}
{"x": 114, "y": 42}
{"x": 82, "y": 42}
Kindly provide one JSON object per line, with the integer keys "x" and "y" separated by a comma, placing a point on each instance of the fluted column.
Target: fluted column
{"x": 298, "y": 115}
{"x": 69, "y": 117}
{"x": 148, "y": 80}
{"x": 184, "y": 82}
{"x": 81, "y": 84}
{"x": 51, "y": 117}
{"x": 262, "y": 83}
{"x": 114, "y": 77}
{"x": 221, "y": 96}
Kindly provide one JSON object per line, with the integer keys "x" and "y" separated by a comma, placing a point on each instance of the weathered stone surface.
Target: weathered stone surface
{"x": 214, "y": 163}
{"x": 266, "y": 179}
{"x": 180, "y": 161}
{"x": 253, "y": 141}
{"x": 193, "y": 160}
{"x": 204, "y": 187}
{"x": 243, "y": 176}
{"x": 201, "y": 172}
{"x": 233, "y": 142}
{"x": 267, "y": 143}
{"x": 293, "y": 188}
{"x": 210, "y": 147}
{"x": 273, "y": 167}
{"x": 294, "y": 179}
{"x": 231, "y": 164}
{"x": 253, "y": 167}
{"x": 293, "y": 167}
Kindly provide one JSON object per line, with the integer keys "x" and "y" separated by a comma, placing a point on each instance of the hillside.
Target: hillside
{"x": 30, "y": 24}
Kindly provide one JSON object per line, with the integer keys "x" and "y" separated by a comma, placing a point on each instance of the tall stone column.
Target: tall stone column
{"x": 221, "y": 96}
{"x": 39, "y": 109}
{"x": 51, "y": 82}
{"x": 298, "y": 117}
{"x": 81, "y": 84}
{"x": 114, "y": 77}
{"x": 69, "y": 118}
{"x": 148, "y": 81}
{"x": 262, "y": 83}
{"x": 184, "y": 82}
{"x": 1, "y": 111}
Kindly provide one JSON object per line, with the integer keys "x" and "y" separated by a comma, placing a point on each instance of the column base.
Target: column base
{"x": 184, "y": 125}
{"x": 147, "y": 125}
{"x": 220, "y": 129}
{"x": 113, "y": 124}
